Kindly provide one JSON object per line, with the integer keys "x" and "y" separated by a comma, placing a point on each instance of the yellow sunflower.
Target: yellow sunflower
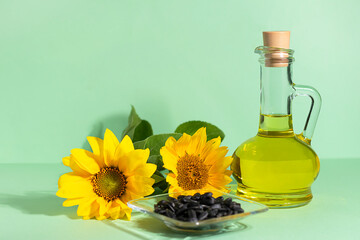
{"x": 195, "y": 163}
{"x": 102, "y": 181}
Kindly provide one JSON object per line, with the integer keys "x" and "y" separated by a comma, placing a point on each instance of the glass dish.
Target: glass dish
{"x": 146, "y": 205}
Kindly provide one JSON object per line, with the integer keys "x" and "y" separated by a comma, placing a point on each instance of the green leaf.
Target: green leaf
{"x": 165, "y": 190}
{"x": 139, "y": 144}
{"x": 155, "y": 142}
{"x": 137, "y": 129}
{"x": 157, "y": 191}
{"x": 160, "y": 184}
{"x": 158, "y": 177}
{"x": 192, "y": 126}
{"x": 133, "y": 121}
{"x": 142, "y": 131}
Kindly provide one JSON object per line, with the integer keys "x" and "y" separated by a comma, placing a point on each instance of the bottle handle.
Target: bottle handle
{"x": 313, "y": 94}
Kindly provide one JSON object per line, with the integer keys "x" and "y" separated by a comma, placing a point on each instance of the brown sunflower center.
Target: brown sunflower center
{"x": 192, "y": 172}
{"x": 109, "y": 183}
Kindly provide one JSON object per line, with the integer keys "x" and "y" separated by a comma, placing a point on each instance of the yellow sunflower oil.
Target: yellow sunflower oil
{"x": 277, "y": 166}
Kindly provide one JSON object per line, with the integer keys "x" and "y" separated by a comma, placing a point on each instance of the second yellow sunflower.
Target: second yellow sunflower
{"x": 196, "y": 163}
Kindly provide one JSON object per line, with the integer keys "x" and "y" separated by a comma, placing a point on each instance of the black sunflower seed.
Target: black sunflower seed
{"x": 170, "y": 214}
{"x": 197, "y": 207}
{"x": 203, "y": 215}
{"x": 219, "y": 199}
{"x": 208, "y": 194}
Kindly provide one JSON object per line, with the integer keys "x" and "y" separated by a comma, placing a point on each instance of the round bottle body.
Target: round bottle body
{"x": 277, "y": 171}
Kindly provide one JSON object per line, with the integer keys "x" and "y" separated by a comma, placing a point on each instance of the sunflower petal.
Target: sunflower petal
{"x": 116, "y": 212}
{"x": 215, "y": 156}
{"x": 128, "y": 195}
{"x": 221, "y": 165}
{"x": 85, "y": 160}
{"x": 197, "y": 141}
{"x": 140, "y": 185}
{"x": 71, "y": 178}
{"x": 66, "y": 161}
{"x": 170, "y": 158}
{"x": 86, "y": 208}
{"x": 110, "y": 144}
{"x": 147, "y": 170}
{"x": 104, "y": 206}
{"x": 102, "y": 217}
{"x": 127, "y": 214}
{"x": 181, "y": 145}
{"x": 120, "y": 210}
{"x": 170, "y": 142}
{"x": 94, "y": 211}
{"x": 73, "y": 201}
{"x": 173, "y": 189}
{"x": 228, "y": 172}
{"x": 122, "y": 204}
{"x": 219, "y": 179}
{"x": 74, "y": 186}
{"x": 97, "y": 146}
{"x": 133, "y": 160}
{"x": 211, "y": 145}
{"x": 76, "y": 169}
{"x": 126, "y": 145}
{"x": 171, "y": 179}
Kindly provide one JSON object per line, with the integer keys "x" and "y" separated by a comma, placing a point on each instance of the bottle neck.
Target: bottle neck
{"x": 276, "y": 89}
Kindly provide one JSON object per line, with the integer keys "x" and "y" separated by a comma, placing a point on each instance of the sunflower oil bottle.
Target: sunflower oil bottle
{"x": 277, "y": 167}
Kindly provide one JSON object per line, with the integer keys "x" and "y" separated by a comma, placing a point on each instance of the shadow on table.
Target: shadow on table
{"x": 144, "y": 227}
{"x": 42, "y": 203}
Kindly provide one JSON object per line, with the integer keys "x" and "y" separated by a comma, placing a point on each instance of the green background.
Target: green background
{"x": 72, "y": 68}
{"x": 69, "y": 69}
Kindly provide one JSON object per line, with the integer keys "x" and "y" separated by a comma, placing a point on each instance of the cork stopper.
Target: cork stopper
{"x": 277, "y": 39}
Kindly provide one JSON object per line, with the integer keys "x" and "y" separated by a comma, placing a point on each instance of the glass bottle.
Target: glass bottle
{"x": 277, "y": 167}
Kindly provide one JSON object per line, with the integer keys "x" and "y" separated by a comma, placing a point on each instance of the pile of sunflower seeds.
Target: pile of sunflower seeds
{"x": 197, "y": 207}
